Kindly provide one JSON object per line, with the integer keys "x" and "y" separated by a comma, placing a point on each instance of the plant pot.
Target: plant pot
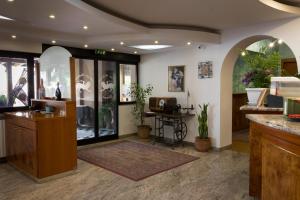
{"x": 253, "y": 95}
{"x": 202, "y": 145}
{"x": 144, "y": 131}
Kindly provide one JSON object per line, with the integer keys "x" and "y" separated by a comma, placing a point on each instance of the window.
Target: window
{"x": 128, "y": 77}
{"x": 13, "y": 82}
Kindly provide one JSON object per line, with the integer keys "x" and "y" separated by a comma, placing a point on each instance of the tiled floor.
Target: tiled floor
{"x": 215, "y": 176}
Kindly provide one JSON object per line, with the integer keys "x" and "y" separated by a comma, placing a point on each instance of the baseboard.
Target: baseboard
{"x": 3, "y": 160}
{"x": 127, "y": 135}
{"x": 223, "y": 148}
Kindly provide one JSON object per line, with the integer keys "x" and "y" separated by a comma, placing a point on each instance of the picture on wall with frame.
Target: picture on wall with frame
{"x": 205, "y": 70}
{"x": 176, "y": 78}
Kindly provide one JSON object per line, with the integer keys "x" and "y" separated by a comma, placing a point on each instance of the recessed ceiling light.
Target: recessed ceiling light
{"x": 52, "y": 16}
{"x": 85, "y": 27}
{"x": 135, "y": 52}
{"x": 53, "y": 42}
{"x": 13, "y": 36}
{"x": 151, "y": 47}
{"x": 156, "y": 42}
{"x": 122, "y": 43}
{"x": 280, "y": 41}
{"x": 189, "y": 43}
{"x": 10, "y": 0}
{"x": 112, "y": 49}
{"x": 5, "y": 18}
{"x": 86, "y": 46}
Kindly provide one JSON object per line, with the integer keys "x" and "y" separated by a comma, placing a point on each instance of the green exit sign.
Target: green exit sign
{"x": 100, "y": 52}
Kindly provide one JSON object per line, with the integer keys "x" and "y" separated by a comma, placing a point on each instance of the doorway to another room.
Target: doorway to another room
{"x": 253, "y": 68}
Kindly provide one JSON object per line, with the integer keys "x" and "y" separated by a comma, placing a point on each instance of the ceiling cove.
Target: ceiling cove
{"x": 114, "y": 13}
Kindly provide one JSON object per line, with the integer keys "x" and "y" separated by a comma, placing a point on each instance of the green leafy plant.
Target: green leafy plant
{"x": 263, "y": 65}
{"x": 3, "y": 101}
{"x": 140, "y": 94}
{"x": 202, "y": 122}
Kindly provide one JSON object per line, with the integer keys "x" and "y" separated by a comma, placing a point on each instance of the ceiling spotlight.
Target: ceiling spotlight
{"x": 112, "y": 49}
{"x": 189, "y": 43}
{"x": 271, "y": 45}
{"x": 156, "y": 42}
{"x": 10, "y": 0}
{"x": 52, "y": 16}
{"x": 280, "y": 41}
{"x": 122, "y": 43}
{"x": 85, "y": 27}
{"x": 53, "y": 42}
{"x": 86, "y": 46}
{"x": 135, "y": 52}
{"x": 13, "y": 36}
{"x": 243, "y": 53}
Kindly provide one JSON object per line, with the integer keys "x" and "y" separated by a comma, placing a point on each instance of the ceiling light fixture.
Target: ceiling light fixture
{"x": 52, "y": 16}
{"x": 156, "y": 42}
{"x": 10, "y": 0}
{"x": 86, "y": 46}
{"x": 53, "y": 42}
{"x": 5, "y": 18}
{"x": 122, "y": 43}
{"x": 85, "y": 27}
{"x": 135, "y": 52}
{"x": 112, "y": 49}
{"x": 280, "y": 41}
{"x": 13, "y": 36}
{"x": 189, "y": 43}
{"x": 151, "y": 47}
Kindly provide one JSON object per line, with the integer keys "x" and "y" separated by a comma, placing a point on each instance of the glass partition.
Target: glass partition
{"x": 128, "y": 77}
{"x": 107, "y": 111}
{"x": 14, "y": 82}
{"x": 85, "y": 98}
{"x": 54, "y": 68}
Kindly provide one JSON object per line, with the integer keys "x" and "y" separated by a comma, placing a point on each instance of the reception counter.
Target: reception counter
{"x": 42, "y": 145}
{"x": 274, "y": 157}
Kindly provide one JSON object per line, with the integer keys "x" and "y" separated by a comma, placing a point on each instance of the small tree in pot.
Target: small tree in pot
{"x": 140, "y": 94}
{"x": 202, "y": 142}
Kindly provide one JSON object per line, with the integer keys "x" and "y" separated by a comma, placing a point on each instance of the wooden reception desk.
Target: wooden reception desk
{"x": 42, "y": 145}
{"x": 274, "y": 158}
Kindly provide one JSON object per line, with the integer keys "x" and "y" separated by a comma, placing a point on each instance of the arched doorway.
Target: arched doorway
{"x": 226, "y": 85}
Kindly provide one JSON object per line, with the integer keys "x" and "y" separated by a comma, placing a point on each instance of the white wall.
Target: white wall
{"x": 218, "y": 90}
{"x": 154, "y": 71}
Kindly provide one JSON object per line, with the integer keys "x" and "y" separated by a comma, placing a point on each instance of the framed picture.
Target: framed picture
{"x": 176, "y": 78}
{"x": 205, "y": 70}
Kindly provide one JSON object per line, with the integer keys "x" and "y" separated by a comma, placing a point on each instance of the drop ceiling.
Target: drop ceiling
{"x": 136, "y": 22}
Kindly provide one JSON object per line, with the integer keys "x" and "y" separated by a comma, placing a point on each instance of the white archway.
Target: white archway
{"x": 226, "y": 86}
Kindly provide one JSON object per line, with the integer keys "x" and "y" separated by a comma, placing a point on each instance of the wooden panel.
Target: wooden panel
{"x": 72, "y": 78}
{"x": 23, "y": 152}
{"x": 289, "y": 67}
{"x": 274, "y": 163}
{"x": 239, "y": 120}
{"x": 255, "y": 160}
{"x": 281, "y": 173}
{"x": 57, "y": 140}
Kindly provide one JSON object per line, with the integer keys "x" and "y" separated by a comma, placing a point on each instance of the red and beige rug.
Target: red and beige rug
{"x": 134, "y": 160}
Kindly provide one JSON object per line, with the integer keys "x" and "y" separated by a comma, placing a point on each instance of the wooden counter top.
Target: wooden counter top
{"x": 34, "y": 116}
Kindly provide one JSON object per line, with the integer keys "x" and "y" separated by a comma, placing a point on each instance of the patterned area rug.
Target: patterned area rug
{"x": 134, "y": 160}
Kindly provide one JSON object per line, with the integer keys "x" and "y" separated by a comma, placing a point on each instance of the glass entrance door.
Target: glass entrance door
{"x": 85, "y": 99}
{"x": 107, "y": 99}
{"x": 96, "y": 100}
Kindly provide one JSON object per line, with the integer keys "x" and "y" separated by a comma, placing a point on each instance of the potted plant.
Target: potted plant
{"x": 263, "y": 65}
{"x": 202, "y": 142}
{"x": 140, "y": 94}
